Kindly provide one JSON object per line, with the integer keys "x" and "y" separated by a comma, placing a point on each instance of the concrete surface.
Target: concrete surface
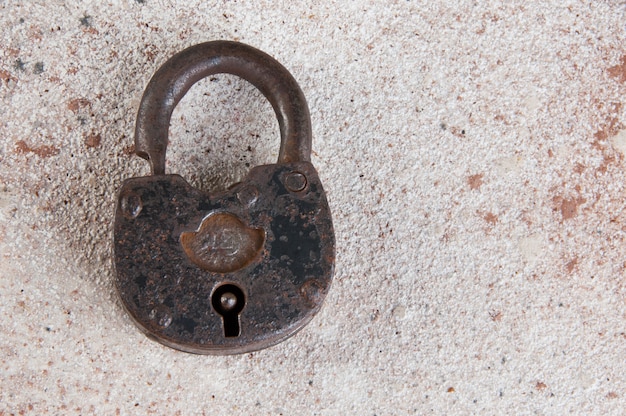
{"x": 473, "y": 155}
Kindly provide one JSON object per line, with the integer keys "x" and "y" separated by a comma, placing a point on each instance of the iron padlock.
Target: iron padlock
{"x": 234, "y": 271}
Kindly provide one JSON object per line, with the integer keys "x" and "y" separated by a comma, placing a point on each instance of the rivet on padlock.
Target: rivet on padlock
{"x": 234, "y": 271}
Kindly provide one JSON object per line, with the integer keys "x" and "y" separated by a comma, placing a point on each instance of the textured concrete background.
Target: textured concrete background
{"x": 473, "y": 155}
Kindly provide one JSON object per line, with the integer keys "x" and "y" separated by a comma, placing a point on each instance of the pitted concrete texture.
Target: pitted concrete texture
{"x": 473, "y": 156}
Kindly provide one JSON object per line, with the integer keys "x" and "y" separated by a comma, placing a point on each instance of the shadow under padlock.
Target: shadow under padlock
{"x": 232, "y": 271}
{"x": 220, "y": 129}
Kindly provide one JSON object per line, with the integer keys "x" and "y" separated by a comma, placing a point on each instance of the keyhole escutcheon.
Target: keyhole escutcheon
{"x": 228, "y": 301}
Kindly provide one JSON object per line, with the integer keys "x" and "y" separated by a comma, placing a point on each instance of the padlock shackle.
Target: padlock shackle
{"x": 174, "y": 78}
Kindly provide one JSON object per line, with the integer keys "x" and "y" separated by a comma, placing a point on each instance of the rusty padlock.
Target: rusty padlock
{"x": 234, "y": 271}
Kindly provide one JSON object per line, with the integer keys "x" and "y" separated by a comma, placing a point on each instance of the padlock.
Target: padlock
{"x": 232, "y": 271}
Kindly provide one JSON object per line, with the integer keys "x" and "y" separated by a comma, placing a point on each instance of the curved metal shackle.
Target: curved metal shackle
{"x": 172, "y": 81}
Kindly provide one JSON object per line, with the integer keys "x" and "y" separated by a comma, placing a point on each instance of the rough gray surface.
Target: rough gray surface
{"x": 473, "y": 155}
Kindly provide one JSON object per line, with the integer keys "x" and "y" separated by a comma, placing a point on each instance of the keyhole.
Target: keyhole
{"x": 228, "y": 301}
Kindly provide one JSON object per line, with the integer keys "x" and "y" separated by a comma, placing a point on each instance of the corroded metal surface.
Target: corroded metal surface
{"x": 230, "y": 272}
{"x": 170, "y": 83}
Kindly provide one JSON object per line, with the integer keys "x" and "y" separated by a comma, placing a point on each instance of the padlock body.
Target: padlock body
{"x": 270, "y": 236}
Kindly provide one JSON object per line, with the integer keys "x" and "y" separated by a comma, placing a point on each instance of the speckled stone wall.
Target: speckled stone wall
{"x": 473, "y": 156}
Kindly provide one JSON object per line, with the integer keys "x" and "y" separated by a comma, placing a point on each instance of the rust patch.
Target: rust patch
{"x": 93, "y": 140}
{"x": 450, "y": 390}
{"x": 129, "y": 150}
{"x": 491, "y": 218}
{"x": 12, "y": 52}
{"x": 41, "y": 151}
{"x": 619, "y": 71}
{"x": 526, "y": 218}
{"x": 475, "y": 181}
{"x": 612, "y": 395}
{"x": 458, "y": 132}
{"x": 91, "y": 30}
{"x": 568, "y": 207}
{"x": 579, "y": 168}
{"x": 610, "y": 127}
{"x": 78, "y": 103}
{"x": 606, "y": 161}
{"x": 6, "y": 76}
{"x": 35, "y": 33}
{"x": 571, "y": 265}
{"x": 495, "y": 316}
{"x": 151, "y": 52}
{"x": 540, "y": 385}
{"x": 502, "y": 118}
